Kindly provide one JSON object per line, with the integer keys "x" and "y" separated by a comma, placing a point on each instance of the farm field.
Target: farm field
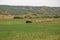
{"x": 17, "y": 29}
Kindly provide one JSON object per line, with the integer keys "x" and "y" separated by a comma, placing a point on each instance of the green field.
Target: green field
{"x": 17, "y": 29}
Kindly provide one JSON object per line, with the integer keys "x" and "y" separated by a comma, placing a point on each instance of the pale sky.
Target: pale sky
{"x": 55, "y": 3}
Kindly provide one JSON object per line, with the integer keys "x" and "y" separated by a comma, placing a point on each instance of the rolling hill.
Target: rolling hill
{"x": 42, "y": 10}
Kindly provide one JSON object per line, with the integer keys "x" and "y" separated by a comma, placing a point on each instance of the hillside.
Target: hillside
{"x": 43, "y": 10}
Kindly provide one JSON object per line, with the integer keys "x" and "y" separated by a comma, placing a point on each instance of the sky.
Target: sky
{"x": 53, "y": 3}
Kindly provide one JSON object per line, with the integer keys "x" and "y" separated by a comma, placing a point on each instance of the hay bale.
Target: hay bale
{"x": 48, "y": 20}
{"x": 28, "y": 21}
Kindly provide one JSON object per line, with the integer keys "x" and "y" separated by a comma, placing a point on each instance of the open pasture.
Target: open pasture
{"x": 17, "y": 29}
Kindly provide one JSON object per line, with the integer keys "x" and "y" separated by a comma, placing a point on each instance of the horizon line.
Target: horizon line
{"x": 29, "y": 5}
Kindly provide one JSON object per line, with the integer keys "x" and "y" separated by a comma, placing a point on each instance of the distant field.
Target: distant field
{"x": 17, "y": 29}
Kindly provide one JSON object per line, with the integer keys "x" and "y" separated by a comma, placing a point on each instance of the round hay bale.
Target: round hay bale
{"x": 28, "y": 21}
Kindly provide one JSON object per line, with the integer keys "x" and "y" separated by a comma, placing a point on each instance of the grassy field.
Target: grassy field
{"x": 17, "y": 29}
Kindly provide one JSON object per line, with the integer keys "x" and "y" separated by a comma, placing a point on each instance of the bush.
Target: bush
{"x": 18, "y": 17}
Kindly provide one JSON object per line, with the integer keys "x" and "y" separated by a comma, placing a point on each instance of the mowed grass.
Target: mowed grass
{"x": 17, "y": 29}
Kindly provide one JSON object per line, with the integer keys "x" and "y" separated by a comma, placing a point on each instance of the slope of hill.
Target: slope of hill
{"x": 43, "y": 10}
